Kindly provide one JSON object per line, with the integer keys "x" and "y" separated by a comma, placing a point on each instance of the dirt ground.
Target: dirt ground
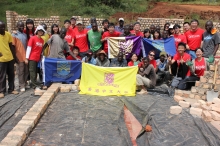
{"x": 172, "y": 10}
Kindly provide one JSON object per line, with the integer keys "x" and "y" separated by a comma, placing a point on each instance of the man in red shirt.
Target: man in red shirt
{"x": 107, "y": 34}
{"x": 73, "y": 23}
{"x": 186, "y": 27}
{"x": 81, "y": 39}
{"x": 178, "y": 36}
{"x": 137, "y": 30}
{"x": 69, "y": 34}
{"x": 194, "y": 38}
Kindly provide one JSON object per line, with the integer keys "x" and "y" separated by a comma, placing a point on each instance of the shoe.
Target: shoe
{"x": 22, "y": 89}
{"x": 27, "y": 87}
{"x": 2, "y": 95}
{"x": 13, "y": 92}
{"x": 142, "y": 92}
{"x": 44, "y": 87}
{"x": 37, "y": 88}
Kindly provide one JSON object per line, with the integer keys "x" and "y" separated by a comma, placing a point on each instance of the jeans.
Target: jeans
{"x": 188, "y": 82}
{"x": 191, "y": 53}
{"x": 33, "y": 73}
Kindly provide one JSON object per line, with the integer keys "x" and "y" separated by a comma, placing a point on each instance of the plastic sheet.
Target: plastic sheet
{"x": 80, "y": 120}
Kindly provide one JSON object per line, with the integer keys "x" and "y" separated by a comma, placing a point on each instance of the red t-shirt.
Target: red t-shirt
{"x": 107, "y": 34}
{"x": 71, "y": 57}
{"x": 200, "y": 67}
{"x": 69, "y": 35}
{"x": 81, "y": 40}
{"x": 36, "y": 45}
{"x": 186, "y": 57}
{"x": 179, "y": 38}
{"x": 194, "y": 38}
{"x": 153, "y": 62}
{"x": 139, "y": 33}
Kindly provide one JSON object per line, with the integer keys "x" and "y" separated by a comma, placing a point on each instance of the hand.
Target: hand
{"x": 1, "y": 54}
{"x": 181, "y": 60}
{"x": 169, "y": 58}
{"x": 26, "y": 61}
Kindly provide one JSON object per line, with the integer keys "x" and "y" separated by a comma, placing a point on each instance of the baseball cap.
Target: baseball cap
{"x": 39, "y": 27}
{"x": 79, "y": 22}
{"x": 163, "y": 53}
{"x": 171, "y": 26}
{"x": 121, "y": 19}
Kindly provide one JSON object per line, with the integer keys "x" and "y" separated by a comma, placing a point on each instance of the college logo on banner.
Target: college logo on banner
{"x": 63, "y": 69}
{"x": 125, "y": 46}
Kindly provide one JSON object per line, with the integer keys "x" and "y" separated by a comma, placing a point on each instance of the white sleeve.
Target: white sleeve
{"x": 28, "y": 52}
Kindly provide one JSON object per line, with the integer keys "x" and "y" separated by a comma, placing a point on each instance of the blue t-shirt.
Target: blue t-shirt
{"x": 161, "y": 66}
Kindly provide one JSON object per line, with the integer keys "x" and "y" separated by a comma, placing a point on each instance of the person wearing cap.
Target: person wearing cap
{"x": 89, "y": 58}
{"x": 119, "y": 61}
{"x": 162, "y": 71}
{"x": 107, "y": 34}
{"x": 69, "y": 35}
{"x": 120, "y": 28}
{"x": 73, "y": 23}
{"x": 94, "y": 36}
{"x": 171, "y": 30}
{"x": 33, "y": 54}
{"x": 137, "y": 30}
{"x": 92, "y": 20}
{"x": 6, "y": 61}
{"x": 178, "y": 36}
{"x": 102, "y": 59}
{"x": 194, "y": 38}
{"x": 81, "y": 39}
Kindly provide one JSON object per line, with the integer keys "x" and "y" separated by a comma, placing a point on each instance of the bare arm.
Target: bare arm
{"x": 215, "y": 49}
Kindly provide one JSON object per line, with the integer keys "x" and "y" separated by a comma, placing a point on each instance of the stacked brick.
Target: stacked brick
{"x": 200, "y": 107}
{"x": 147, "y": 22}
{"x": 12, "y": 18}
{"x": 86, "y": 21}
{"x": 217, "y": 25}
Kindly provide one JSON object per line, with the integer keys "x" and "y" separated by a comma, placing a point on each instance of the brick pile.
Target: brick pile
{"x": 13, "y": 17}
{"x": 147, "y": 22}
{"x": 200, "y": 107}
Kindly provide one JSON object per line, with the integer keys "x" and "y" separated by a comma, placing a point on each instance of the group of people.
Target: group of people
{"x": 73, "y": 41}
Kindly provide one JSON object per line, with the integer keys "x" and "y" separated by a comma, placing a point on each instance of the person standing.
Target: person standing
{"x": 73, "y": 23}
{"x": 92, "y": 20}
{"x": 20, "y": 43}
{"x": 211, "y": 40}
{"x": 69, "y": 34}
{"x": 186, "y": 27}
{"x": 105, "y": 24}
{"x": 194, "y": 38}
{"x": 81, "y": 39}
{"x": 120, "y": 28}
{"x": 33, "y": 54}
{"x": 7, "y": 61}
{"x": 55, "y": 29}
{"x": 94, "y": 36}
{"x": 110, "y": 33}
{"x": 178, "y": 36}
{"x": 29, "y": 30}
{"x": 126, "y": 32}
{"x": 137, "y": 30}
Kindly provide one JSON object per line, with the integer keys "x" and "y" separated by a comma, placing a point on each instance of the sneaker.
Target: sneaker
{"x": 142, "y": 92}
{"x": 37, "y": 88}
{"x": 2, "y": 95}
{"x": 22, "y": 89}
{"x": 13, "y": 92}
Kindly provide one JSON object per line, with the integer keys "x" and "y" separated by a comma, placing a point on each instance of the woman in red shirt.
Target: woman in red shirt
{"x": 33, "y": 55}
{"x": 134, "y": 60}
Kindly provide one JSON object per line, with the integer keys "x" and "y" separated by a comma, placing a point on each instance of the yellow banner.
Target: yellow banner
{"x": 105, "y": 81}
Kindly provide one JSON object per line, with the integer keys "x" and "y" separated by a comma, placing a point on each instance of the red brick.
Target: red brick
{"x": 184, "y": 104}
{"x": 204, "y": 97}
{"x": 216, "y": 101}
{"x": 19, "y": 135}
{"x": 186, "y": 94}
{"x": 202, "y": 91}
{"x": 32, "y": 116}
{"x": 211, "y": 81}
{"x": 175, "y": 110}
{"x": 215, "y": 115}
{"x": 49, "y": 94}
{"x": 203, "y": 79}
{"x": 216, "y": 124}
{"x": 196, "y": 111}
{"x": 206, "y": 116}
{"x": 9, "y": 141}
{"x": 178, "y": 98}
{"x": 74, "y": 87}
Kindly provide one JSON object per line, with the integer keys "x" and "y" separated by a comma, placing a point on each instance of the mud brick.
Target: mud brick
{"x": 206, "y": 116}
{"x": 205, "y": 107}
{"x": 74, "y": 87}
{"x": 55, "y": 89}
{"x": 215, "y": 107}
{"x": 206, "y": 74}
{"x": 194, "y": 90}
{"x": 208, "y": 103}
{"x": 77, "y": 82}
{"x": 9, "y": 141}
{"x": 48, "y": 94}
{"x": 217, "y": 88}
{"x": 186, "y": 94}
{"x": 211, "y": 81}
{"x": 198, "y": 96}
{"x": 192, "y": 95}
{"x": 196, "y": 105}
{"x": 202, "y": 102}
{"x": 184, "y": 104}
{"x": 175, "y": 110}
{"x": 202, "y": 91}
{"x": 178, "y": 98}
{"x": 17, "y": 135}
{"x": 32, "y": 116}
{"x": 216, "y": 101}
{"x": 179, "y": 92}
{"x": 206, "y": 86}
{"x": 39, "y": 92}
{"x": 203, "y": 97}
{"x": 65, "y": 89}
{"x": 215, "y": 115}
{"x": 196, "y": 112}
{"x": 46, "y": 98}
{"x": 197, "y": 83}
{"x": 216, "y": 124}
{"x": 203, "y": 79}
{"x": 21, "y": 127}
{"x": 211, "y": 67}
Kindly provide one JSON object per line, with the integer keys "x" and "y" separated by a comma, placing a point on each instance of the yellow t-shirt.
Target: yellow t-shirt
{"x": 4, "y": 47}
{"x": 45, "y": 38}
